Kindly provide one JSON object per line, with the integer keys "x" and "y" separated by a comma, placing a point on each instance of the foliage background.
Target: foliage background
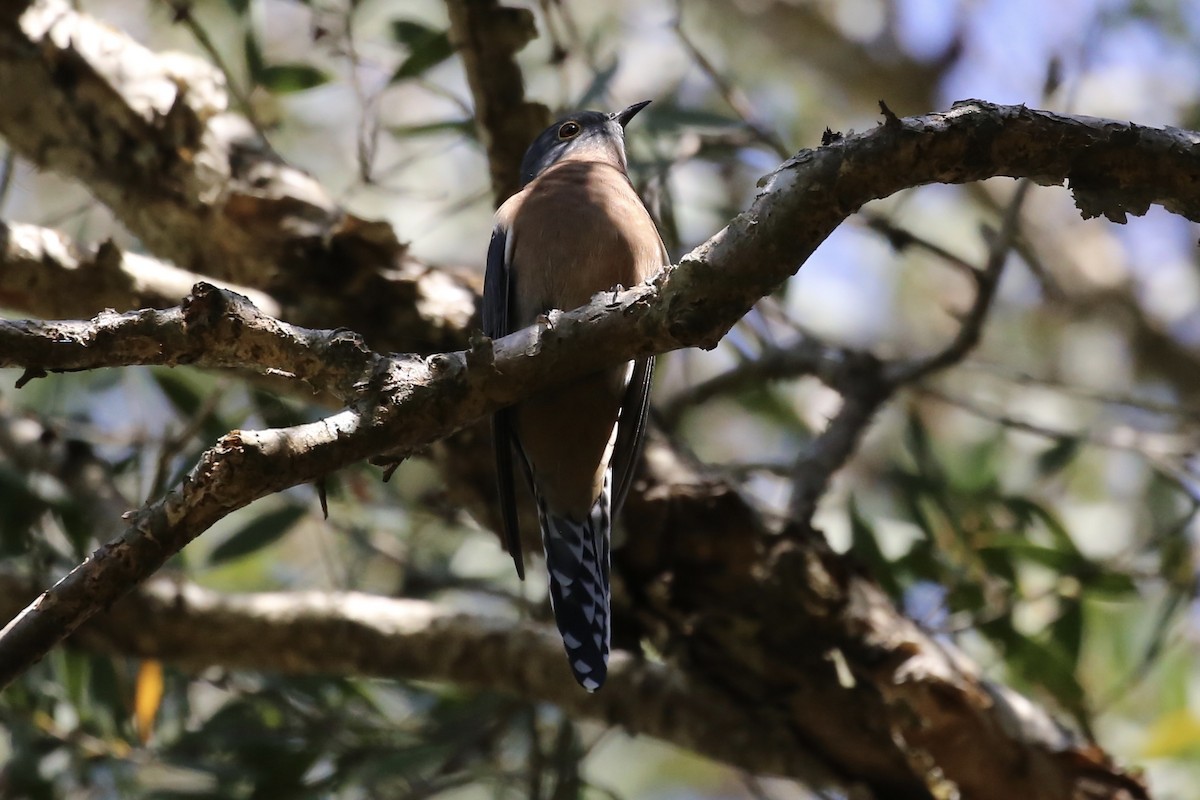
{"x": 1036, "y": 504}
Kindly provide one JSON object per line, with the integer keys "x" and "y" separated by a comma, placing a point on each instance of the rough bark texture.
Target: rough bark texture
{"x": 315, "y": 633}
{"x": 152, "y": 138}
{"x": 810, "y": 660}
{"x": 488, "y": 36}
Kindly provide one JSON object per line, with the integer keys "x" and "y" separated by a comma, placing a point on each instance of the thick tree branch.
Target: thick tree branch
{"x": 201, "y": 192}
{"x": 152, "y": 138}
{"x": 349, "y": 633}
{"x": 44, "y": 274}
{"x": 213, "y": 328}
{"x": 693, "y": 305}
{"x": 488, "y": 37}
{"x": 399, "y": 404}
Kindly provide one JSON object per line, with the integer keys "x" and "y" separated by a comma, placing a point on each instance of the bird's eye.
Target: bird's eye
{"x": 569, "y": 130}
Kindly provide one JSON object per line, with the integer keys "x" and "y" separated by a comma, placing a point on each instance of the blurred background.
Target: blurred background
{"x": 1036, "y": 503}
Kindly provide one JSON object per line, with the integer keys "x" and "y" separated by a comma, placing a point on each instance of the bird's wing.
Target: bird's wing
{"x": 497, "y": 304}
{"x": 631, "y": 424}
{"x": 631, "y": 429}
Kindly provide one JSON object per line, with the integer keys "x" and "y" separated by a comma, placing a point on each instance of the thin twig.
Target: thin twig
{"x": 825, "y": 455}
{"x": 7, "y": 169}
{"x": 181, "y": 13}
{"x": 733, "y": 96}
{"x": 862, "y": 396}
{"x": 173, "y": 443}
{"x": 900, "y": 238}
{"x": 806, "y": 355}
{"x": 988, "y": 280}
{"x": 1152, "y": 446}
{"x": 1003, "y": 372}
{"x": 367, "y": 130}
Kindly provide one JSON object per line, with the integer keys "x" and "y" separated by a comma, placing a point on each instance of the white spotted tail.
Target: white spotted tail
{"x": 577, "y": 558}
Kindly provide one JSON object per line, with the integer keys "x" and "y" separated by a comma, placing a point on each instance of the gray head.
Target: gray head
{"x": 577, "y": 132}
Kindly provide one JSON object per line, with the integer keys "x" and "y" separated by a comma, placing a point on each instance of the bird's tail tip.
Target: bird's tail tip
{"x": 577, "y": 556}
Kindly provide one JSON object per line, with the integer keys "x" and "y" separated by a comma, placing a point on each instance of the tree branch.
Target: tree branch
{"x": 350, "y": 633}
{"x": 152, "y": 138}
{"x": 213, "y": 328}
{"x": 836, "y": 367}
{"x": 43, "y": 273}
{"x": 411, "y": 401}
{"x": 488, "y": 37}
{"x": 987, "y": 281}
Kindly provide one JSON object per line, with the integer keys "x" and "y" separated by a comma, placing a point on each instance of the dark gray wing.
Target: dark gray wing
{"x": 631, "y": 430}
{"x": 497, "y": 302}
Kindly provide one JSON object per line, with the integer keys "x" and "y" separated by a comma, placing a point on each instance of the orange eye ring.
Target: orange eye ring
{"x": 569, "y": 130}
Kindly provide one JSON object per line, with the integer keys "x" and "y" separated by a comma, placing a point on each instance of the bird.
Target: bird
{"x": 575, "y": 228}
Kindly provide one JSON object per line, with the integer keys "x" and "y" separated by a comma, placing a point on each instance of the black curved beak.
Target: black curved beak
{"x": 623, "y": 117}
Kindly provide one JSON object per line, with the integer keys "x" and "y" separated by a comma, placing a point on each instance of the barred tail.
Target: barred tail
{"x": 577, "y": 556}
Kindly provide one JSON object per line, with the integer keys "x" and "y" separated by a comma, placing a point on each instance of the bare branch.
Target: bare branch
{"x": 900, "y": 239}
{"x": 356, "y": 634}
{"x": 733, "y": 96}
{"x": 350, "y": 633}
{"x": 1157, "y": 448}
{"x": 1187, "y": 413}
{"x": 916, "y": 677}
{"x": 794, "y": 588}
{"x": 203, "y": 191}
{"x": 987, "y": 281}
{"x": 488, "y": 37}
{"x": 836, "y": 367}
{"x": 46, "y": 274}
{"x": 213, "y": 328}
{"x": 816, "y": 464}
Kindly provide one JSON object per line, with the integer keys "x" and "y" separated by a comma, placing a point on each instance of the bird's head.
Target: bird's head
{"x": 584, "y": 134}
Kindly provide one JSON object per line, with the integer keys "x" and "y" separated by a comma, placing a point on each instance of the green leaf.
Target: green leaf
{"x": 284, "y": 78}
{"x": 966, "y": 596}
{"x": 919, "y": 563}
{"x": 598, "y": 88}
{"x": 21, "y": 509}
{"x": 462, "y": 127}
{"x": 999, "y": 559}
{"x": 666, "y": 116}
{"x": 864, "y": 545}
{"x": 257, "y": 534}
{"x": 1056, "y": 457}
{"x": 254, "y": 57}
{"x": 278, "y": 412}
{"x": 427, "y": 47}
{"x": 183, "y": 394}
{"x": 1176, "y": 734}
{"x": 1067, "y": 630}
{"x": 1110, "y": 584}
{"x": 79, "y": 523}
{"x": 772, "y": 404}
{"x": 1062, "y": 562}
{"x": 1040, "y": 663}
{"x": 188, "y": 390}
{"x": 1028, "y": 511}
{"x": 917, "y": 439}
{"x": 74, "y": 672}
